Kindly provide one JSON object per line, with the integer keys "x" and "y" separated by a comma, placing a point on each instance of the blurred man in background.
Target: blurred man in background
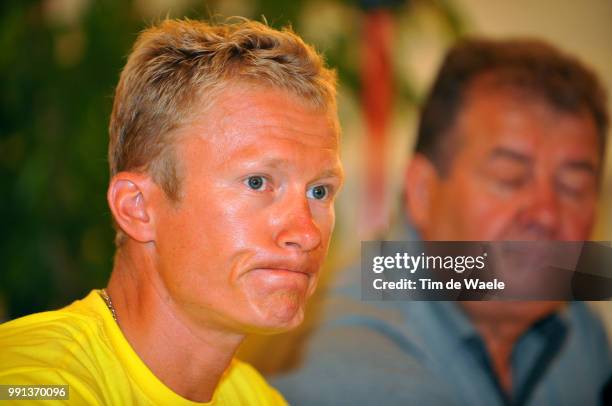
{"x": 224, "y": 165}
{"x": 510, "y": 147}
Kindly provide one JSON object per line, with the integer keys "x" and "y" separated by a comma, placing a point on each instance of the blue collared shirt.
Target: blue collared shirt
{"x": 429, "y": 353}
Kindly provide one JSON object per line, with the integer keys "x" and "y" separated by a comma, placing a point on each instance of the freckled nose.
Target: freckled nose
{"x": 298, "y": 229}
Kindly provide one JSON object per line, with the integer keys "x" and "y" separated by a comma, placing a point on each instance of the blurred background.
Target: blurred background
{"x": 60, "y": 61}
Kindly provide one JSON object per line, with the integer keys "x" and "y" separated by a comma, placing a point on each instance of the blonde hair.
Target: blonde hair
{"x": 176, "y": 68}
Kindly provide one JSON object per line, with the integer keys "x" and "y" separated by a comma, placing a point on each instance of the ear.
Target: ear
{"x": 130, "y": 197}
{"x": 420, "y": 183}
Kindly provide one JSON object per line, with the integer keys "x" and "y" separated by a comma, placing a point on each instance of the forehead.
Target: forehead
{"x": 493, "y": 115}
{"x": 241, "y": 106}
{"x": 245, "y": 122}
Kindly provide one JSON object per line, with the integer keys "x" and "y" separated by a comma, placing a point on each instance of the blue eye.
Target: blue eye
{"x": 318, "y": 192}
{"x": 255, "y": 182}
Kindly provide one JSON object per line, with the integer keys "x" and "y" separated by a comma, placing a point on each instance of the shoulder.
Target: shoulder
{"x": 587, "y": 335}
{"x": 586, "y": 325}
{"x": 60, "y": 324}
{"x": 48, "y": 335}
{"x": 368, "y": 323}
{"x": 362, "y": 352}
{"x": 57, "y": 347}
{"x": 242, "y": 384}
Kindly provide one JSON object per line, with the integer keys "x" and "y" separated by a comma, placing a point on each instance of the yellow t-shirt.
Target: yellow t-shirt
{"x": 82, "y": 346}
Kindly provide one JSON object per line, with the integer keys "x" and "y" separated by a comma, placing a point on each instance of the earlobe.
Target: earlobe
{"x": 129, "y": 196}
{"x": 419, "y": 188}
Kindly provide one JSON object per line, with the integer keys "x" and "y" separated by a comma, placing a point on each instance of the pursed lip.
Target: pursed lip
{"x": 295, "y": 267}
{"x": 286, "y": 271}
{"x": 276, "y": 269}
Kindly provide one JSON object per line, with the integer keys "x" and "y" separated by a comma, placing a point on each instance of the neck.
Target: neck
{"x": 186, "y": 356}
{"x": 501, "y": 325}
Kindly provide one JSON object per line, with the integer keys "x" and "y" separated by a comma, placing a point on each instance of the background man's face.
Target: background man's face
{"x": 243, "y": 248}
{"x": 521, "y": 171}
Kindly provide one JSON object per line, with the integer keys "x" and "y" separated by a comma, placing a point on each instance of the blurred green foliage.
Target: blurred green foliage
{"x": 57, "y": 76}
{"x": 57, "y": 240}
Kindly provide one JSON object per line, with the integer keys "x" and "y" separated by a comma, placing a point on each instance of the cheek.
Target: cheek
{"x": 242, "y": 225}
{"x": 232, "y": 216}
{"x": 325, "y": 218}
{"x": 578, "y": 220}
{"x": 472, "y": 210}
{"x": 208, "y": 230}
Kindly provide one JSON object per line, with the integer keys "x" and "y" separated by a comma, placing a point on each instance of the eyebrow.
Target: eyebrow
{"x": 276, "y": 163}
{"x": 581, "y": 165}
{"x": 331, "y": 173}
{"x": 269, "y": 163}
{"x": 502, "y": 152}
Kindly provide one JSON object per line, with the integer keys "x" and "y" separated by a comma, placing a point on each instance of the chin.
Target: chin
{"x": 279, "y": 312}
{"x": 276, "y": 299}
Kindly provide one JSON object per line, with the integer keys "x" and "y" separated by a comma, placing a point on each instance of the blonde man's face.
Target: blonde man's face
{"x": 243, "y": 248}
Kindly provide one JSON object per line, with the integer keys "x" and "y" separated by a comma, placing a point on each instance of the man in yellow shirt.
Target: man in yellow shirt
{"x": 224, "y": 166}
